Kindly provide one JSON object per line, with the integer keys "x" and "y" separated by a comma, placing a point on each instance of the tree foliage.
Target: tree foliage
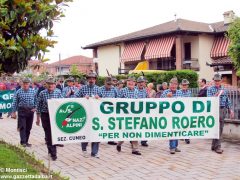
{"x": 234, "y": 47}
{"x": 21, "y": 22}
{"x": 74, "y": 71}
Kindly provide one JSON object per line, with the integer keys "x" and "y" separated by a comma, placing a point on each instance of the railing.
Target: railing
{"x": 123, "y": 71}
{"x": 192, "y": 64}
{"x": 167, "y": 68}
{"x": 233, "y": 94}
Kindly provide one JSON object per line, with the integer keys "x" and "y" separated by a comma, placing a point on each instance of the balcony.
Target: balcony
{"x": 192, "y": 64}
{"x": 123, "y": 71}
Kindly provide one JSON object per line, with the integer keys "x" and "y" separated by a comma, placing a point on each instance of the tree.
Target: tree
{"x": 74, "y": 71}
{"x": 21, "y": 22}
{"x": 234, "y": 47}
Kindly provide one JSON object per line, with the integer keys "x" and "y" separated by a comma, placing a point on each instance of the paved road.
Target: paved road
{"x": 196, "y": 161}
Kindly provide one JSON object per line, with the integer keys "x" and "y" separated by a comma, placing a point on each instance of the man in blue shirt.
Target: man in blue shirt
{"x": 69, "y": 91}
{"x": 87, "y": 91}
{"x": 142, "y": 93}
{"x": 119, "y": 86}
{"x": 51, "y": 92}
{"x": 185, "y": 93}
{"x": 129, "y": 92}
{"x": 170, "y": 93}
{"x": 24, "y": 102}
{"x": 225, "y": 105}
{"x": 108, "y": 91}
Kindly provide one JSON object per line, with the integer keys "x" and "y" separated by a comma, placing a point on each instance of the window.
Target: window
{"x": 187, "y": 51}
{"x": 166, "y": 64}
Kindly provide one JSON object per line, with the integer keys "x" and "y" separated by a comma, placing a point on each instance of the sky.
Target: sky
{"x": 91, "y": 21}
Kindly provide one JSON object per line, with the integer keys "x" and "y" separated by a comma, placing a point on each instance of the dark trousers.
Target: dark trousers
{"x": 25, "y": 121}
{"x": 216, "y": 143}
{"x": 47, "y": 130}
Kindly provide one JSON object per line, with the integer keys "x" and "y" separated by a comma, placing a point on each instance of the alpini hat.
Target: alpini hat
{"x": 108, "y": 80}
{"x": 26, "y": 80}
{"x": 217, "y": 77}
{"x": 131, "y": 78}
{"x": 50, "y": 81}
{"x": 91, "y": 75}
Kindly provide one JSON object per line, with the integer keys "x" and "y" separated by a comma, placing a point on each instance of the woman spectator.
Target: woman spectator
{"x": 151, "y": 91}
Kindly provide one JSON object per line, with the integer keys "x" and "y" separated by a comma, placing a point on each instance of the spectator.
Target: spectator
{"x": 11, "y": 85}
{"x": 203, "y": 88}
{"x": 60, "y": 84}
{"x": 151, "y": 91}
{"x": 2, "y": 88}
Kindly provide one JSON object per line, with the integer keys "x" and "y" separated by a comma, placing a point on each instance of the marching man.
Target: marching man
{"x": 142, "y": 93}
{"x": 24, "y": 102}
{"x": 43, "y": 113}
{"x": 108, "y": 91}
{"x": 225, "y": 105}
{"x": 172, "y": 92}
{"x": 185, "y": 93}
{"x": 87, "y": 91}
{"x": 129, "y": 92}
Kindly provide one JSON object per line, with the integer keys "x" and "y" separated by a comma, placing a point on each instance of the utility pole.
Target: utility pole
{"x": 60, "y": 68}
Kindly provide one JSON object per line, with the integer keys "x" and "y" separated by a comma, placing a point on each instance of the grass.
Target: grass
{"x": 17, "y": 158}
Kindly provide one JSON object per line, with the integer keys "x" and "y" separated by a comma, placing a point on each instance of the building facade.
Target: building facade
{"x": 178, "y": 44}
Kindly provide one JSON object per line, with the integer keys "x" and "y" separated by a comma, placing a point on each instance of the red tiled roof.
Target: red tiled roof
{"x": 165, "y": 28}
{"x": 74, "y": 60}
{"x": 223, "y": 60}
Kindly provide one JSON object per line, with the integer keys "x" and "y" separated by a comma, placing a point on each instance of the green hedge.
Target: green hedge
{"x": 158, "y": 78}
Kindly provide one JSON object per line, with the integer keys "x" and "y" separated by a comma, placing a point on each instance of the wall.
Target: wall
{"x": 108, "y": 58}
{"x": 205, "y": 46}
{"x": 231, "y": 129}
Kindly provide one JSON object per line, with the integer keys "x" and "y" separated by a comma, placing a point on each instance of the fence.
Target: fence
{"x": 234, "y": 95}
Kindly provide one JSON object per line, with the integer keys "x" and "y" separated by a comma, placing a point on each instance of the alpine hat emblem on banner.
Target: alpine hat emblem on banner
{"x": 71, "y": 117}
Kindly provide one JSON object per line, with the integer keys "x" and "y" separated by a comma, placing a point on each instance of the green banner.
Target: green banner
{"x": 6, "y": 100}
{"x": 75, "y": 120}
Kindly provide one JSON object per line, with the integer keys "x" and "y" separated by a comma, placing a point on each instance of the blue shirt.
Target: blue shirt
{"x": 225, "y": 102}
{"x": 42, "y": 105}
{"x": 186, "y": 93}
{"x": 67, "y": 89}
{"x": 128, "y": 93}
{"x": 87, "y": 90}
{"x": 24, "y": 98}
{"x": 108, "y": 93}
{"x": 176, "y": 93}
{"x": 142, "y": 93}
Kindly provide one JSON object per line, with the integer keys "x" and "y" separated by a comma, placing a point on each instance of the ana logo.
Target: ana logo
{"x": 71, "y": 117}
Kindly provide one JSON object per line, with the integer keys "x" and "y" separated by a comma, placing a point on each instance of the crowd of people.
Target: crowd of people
{"x": 32, "y": 97}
